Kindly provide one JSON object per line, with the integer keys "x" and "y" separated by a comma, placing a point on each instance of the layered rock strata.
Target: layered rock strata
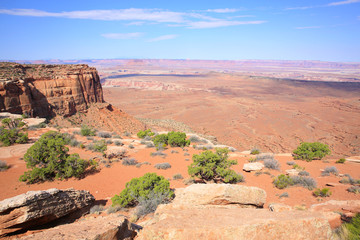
{"x": 35, "y": 208}
{"x": 48, "y": 90}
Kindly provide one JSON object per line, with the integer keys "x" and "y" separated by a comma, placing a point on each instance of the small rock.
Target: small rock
{"x": 279, "y": 207}
{"x": 292, "y": 172}
{"x": 256, "y": 166}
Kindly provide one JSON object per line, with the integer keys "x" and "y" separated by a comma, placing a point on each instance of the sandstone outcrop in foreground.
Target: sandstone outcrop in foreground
{"x": 48, "y": 90}
{"x": 188, "y": 218}
{"x": 112, "y": 227}
{"x": 35, "y": 208}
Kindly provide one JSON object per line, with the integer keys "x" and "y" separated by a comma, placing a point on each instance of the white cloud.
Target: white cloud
{"x": 131, "y": 14}
{"x": 310, "y": 27}
{"x": 223, "y": 10}
{"x": 163, "y": 37}
{"x": 220, "y": 23}
{"x": 343, "y": 2}
{"x": 122, "y": 35}
{"x": 137, "y": 16}
{"x": 327, "y": 5}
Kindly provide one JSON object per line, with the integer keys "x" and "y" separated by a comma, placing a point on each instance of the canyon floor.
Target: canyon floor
{"x": 272, "y": 114}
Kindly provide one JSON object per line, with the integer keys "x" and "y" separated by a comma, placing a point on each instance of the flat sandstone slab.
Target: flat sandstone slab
{"x": 242, "y": 223}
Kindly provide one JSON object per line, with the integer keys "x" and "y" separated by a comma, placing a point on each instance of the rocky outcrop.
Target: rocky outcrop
{"x": 218, "y": 211}
{"x": 220, "y": 194}
{"x": 112, "y": 227}
{"x": 241, "y": 224}
{"x": 35, "y": 208}
{"x": 48, "y": 90}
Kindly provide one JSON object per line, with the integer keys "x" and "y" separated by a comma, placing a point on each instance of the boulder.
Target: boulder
{"x": 220, "y": 194}
{"x": 255, "y": 166}
{"x": 292, "y": 172}
{"x": 36, "y": 208}
{"x": 241, "y": 223}
{"x": 111, "y": 227}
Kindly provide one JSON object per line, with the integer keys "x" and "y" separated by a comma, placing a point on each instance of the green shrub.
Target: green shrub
{"x": 349, "y": 231}
{"x": 12, "y": 136}
{"x": 311, "y": 151}
{"x": 214, "y": 166}
{"x": 283, "y": 181}
{"x": 325, "y": 192}
{"x": 48, "y": 158}
{"x": 87, "y": 131}
{"x": 97, "y": 146}
{"x": 160, "y": 140}
{"x": 177, "y": 139}
{"x": 254, "y": 151}
{"x": 10, "y": 132}
{"x": 142, "y": 187}
{"x": 143, "y": 134}
{"x": 178, "y": 176}
{"x": 341, "y": 160}
{"x": 298, "y": 167}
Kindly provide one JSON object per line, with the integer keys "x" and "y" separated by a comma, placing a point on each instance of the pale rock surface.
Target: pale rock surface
{"x": 255, "y": 166}
{"x": 35, "y": 208}
{"x": 111, "y": 227}
{"x": 279, "y": 207}
{"x": 220, "y": 194}
{"x": 292, "y": 172}
{"x": 242, "y": 224}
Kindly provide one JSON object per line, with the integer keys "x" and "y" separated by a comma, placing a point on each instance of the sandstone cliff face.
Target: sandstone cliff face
{"x": 48, "y": 90}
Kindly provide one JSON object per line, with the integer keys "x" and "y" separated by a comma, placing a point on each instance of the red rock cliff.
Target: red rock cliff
{"x": 48, "y": 90}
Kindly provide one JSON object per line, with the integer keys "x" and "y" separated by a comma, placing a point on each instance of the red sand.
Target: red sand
{"x": 110, "y": 181}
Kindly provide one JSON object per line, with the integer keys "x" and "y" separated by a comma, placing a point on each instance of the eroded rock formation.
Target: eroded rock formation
{"x": 35, "y": 208}
{"x": 47, "y": 90}
{"x": 112, "y": 227}
{"x": 211, "y": 211}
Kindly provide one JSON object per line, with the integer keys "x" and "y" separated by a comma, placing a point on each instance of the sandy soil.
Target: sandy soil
{"x": 111, "y": 180}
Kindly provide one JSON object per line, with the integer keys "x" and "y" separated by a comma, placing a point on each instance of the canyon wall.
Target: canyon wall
{"x": 48, "y": 90}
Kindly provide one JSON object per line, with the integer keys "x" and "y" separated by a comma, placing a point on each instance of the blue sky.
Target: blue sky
{"x": 327, "y": 30}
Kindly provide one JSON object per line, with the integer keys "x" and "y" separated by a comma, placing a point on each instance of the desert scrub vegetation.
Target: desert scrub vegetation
{"x": 325, "y": 192}
{"x": 254, "y": 151}
{"x": 341, "y": 160}
{"x": 210, "y": 166}
{"x": 3, "y": 166}
{"x": 87, "y": 131}
{"x": 143, "y": 187}
{"x": 330, "y": 170}
{"x": 264, "y": 156}
{"x": 97, "y": 146}
{"x": 104, "y": 134}
{"x": 129, "y": 162}
{"x": 283, "y": 181}
{"x": 48, "y": 159}
{"x": 347, "y": 179}
{"x": 163, "y": 166}
{"x": 158, "y": 153}
{"x": 311, "y": 151}
{"x": 177, "y": 176}
{"x": 349, "y": 231}
{"x": 272, "y": 164}
{"x": 11, "y": 132}
{"x": 149, "y": 204}
{"x": 354, "y": 189}
{"x": 143, "y": 134}
{"x": 197, "y": 139}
